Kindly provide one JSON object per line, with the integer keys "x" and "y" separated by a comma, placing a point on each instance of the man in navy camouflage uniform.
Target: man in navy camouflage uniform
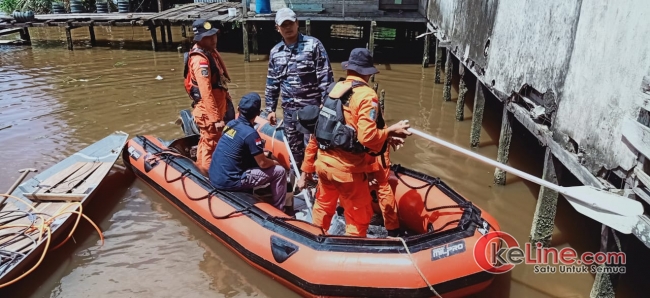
{"x": 300, "y": 69}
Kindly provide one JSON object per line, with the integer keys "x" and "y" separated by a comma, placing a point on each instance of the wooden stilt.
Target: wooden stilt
{"x": 160, "y": 5}
{"x": 477, "y": 118}
{"x": 169, "y": 34}
{"x": 244, "y": 29}
{"x": 154, "y": 39}
{"x": 308, "y": 26}
{"x": 462, "y": 90}
{"x": 371, "y": 42}
{"x": 163, "y": 38}
{"x": 449, "y": 66}
{"x": 68, "y": 36}
{"x": 183, "y": 32}
{"x": 382, "y": 99}
{"x": 425, "y": 54}
{"x": 605, "y": 283}
{"x": 544, "y": 218}
{"x": 438, "y": 61}
{"x": 24, "y": 34}
{"x": 504, "y": 145}
{"x": 91, "y": 30}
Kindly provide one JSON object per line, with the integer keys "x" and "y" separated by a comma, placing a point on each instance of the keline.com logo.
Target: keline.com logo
{"x": 498, "y": 252}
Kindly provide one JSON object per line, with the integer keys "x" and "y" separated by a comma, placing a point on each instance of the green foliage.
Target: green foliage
{"x": 8, "y": 6}
{"x": 37, "y": 6}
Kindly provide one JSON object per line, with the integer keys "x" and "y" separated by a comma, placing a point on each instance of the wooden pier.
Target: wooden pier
{"x": 314, "y": 16}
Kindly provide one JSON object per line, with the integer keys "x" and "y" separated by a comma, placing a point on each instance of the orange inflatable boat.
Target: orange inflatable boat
{"x": 442, "y": 226}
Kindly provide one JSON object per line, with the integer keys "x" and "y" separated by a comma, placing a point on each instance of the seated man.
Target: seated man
{"x": 239, "y": 162}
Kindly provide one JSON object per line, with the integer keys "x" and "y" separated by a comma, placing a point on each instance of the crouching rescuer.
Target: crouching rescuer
{"x": 346, "y": 140}
{"x": 240, "y": 162}
{"x": 206, "y": 81}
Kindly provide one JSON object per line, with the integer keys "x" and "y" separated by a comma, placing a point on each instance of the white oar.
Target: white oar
{"x": 295, "y": 167}
{"x": 600, "y": 202}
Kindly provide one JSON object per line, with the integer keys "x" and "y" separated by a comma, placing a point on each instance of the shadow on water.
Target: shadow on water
{"x": 85, "y": 240}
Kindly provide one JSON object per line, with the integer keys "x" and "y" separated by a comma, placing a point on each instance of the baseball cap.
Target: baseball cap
{"x": 202, "y": 28}
{"x": 285, "y": 14}
{"x": 250, "y": 105}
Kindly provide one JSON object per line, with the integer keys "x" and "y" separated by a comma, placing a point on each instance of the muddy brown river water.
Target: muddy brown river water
{"x": 55, "y": 102}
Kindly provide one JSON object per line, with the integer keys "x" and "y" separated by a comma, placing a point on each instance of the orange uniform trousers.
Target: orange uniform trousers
{"x": 386, "y": 198}
{"x": 354, "y": 194}
{"x": 209, "y": 136}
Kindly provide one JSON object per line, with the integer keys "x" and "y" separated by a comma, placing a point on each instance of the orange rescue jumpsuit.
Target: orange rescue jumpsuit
{"x": 385, "y": 194}
{"x": 341, "y": 174}
{"x": 210, "y": 109}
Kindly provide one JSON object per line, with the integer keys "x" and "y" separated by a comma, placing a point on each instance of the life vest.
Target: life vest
{"x": 331, "y": 131}
{"x": 191, "y": 86}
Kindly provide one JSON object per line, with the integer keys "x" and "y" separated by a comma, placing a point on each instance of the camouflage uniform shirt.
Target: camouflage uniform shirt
{"x": 302, "y": 72}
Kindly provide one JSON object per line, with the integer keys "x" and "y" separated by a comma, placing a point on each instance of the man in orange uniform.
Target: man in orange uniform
{"x": 206, "y": 81}
{"x": 343, "y": 161}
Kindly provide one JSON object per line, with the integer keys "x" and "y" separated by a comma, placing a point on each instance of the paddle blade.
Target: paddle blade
{"x": 603, "y": 200}
{"x": 623, "y": 224}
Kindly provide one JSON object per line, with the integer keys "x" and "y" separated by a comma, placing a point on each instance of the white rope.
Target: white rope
{"x": 408, "y": 252}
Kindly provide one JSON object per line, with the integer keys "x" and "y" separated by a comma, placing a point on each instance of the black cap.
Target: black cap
{"x": 250, "y": 105}
{"x": 202, "y": 28}
{"x": 306, "y": 119}
{"x": 361, "y": 62}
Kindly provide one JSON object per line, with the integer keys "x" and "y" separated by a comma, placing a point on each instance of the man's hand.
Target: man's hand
{"x": 399, "y": 129}
{"x": 372, "y": 181}
{"x": 396, "y": 143}
{"x": 272, "y": 118}
{"x": 302, "y": 182}
{"x": 220, "y": 125}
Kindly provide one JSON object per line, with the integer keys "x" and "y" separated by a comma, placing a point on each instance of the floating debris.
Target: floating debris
{"x": 159, "y": 78}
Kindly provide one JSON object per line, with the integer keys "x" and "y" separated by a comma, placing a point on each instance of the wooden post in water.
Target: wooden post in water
{"x": 605, "y": 283}
{"x": 91, "y": 30}
{"x": 160, "y": 5}
{"x": 425, "y": 54}
{"x": 382, "y": 98}
{"x": 462, "y": 90}
{"x": 477, "y": 118}
{"x": 375, "y": 86}
{"x": 244, "y": 29}
{"x": 154, "y": 39}
{"x": 504, "y": 145}
{"x": 308, "y": 26}
{"x": 371, "y": 42}
{"x": 169, "y": 34}
{"x": 449, "y": 66}
{"x": 68, "y": 36}
{"x": 438, "y": 61}
{"x": 183, "y": 32}
{"x": 163, "y": 39}
{"x": 244, "y": 8}
{"x": 544, "y": 218}
{"x": 24, "y": 34}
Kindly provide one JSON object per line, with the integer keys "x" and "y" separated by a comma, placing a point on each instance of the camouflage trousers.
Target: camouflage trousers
{"x": 297, "y": 140}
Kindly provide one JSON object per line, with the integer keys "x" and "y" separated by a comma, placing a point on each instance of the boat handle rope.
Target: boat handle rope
{"x": 408, "y": 252}
{"x": 167, "y": 158}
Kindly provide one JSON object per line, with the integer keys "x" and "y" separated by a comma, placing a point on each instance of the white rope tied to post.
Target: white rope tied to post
{"x": 408, "y": 252}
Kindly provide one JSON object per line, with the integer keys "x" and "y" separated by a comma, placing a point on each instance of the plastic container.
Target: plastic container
{"x": 232, "y": 12}
{"x": 123, "y": 6}
{"x": 58, "y": 8}
{"x": 262, "y": 6}
{"x": 76, "y": 6}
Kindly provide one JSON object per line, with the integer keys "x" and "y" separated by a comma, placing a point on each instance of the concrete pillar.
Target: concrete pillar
{"x": 477, "y": 118}
{"x": 438, "y": 61}
{"x": 605, "y": 283}
{"x": 154, "y": 39}
{"x": 544, "y": 217}
{"x": 425, "y": 54}
{"x": 462, "y": 90}
{"x": 91, "y": 30}
{"x": 371, "y": 42}
{"x": 169, "y": 34}
{"x": 449, "y": 66}
{"x": 244, "y": 29}
{"x": 504, "y": 145}
{"x": 68, "y": 36}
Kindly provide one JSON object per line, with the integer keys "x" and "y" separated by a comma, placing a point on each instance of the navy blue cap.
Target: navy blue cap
{"x": 250, "y": 105}
{"x": 361, "y": 62}
{"x": 202, "y": 28}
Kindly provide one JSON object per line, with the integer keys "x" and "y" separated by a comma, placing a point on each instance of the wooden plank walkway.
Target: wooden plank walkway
{"x": 217, "y": 12}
